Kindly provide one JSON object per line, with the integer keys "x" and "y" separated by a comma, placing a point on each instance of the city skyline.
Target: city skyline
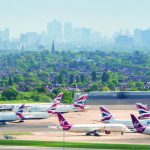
{"x": 106, "y": 16}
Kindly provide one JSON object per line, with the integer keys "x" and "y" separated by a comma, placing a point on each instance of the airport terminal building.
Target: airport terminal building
{"x": 117, "y": 97}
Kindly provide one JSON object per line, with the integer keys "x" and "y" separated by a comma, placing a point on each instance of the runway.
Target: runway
{"x": 39, "y": 129}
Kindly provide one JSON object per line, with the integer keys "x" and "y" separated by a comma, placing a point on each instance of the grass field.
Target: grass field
{"x": 73, "y": 144}
{"x": 15, "y": 133}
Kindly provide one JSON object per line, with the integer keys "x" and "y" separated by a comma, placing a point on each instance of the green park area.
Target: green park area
{"x": 74, "y": 145}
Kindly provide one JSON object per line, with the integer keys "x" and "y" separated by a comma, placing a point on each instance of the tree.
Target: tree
{"x": 94, "y": 76}
{"x": 105, "y": 89}
{"x": 43, "y": 76}
{"x": 139, "y": 85}
{"x": 10, "y": 94}
{"x": 94, "y": 87}
{"x": 10, "y": 81}
{"x": 41, "y": 89}
{"x": 71, "y": 80}
{"x": 77, "y": 79}
{"x": 82, "y": 78}
{"x": 60, "y": 79}
{"x": 18, "y": 78}
{"x": 105, "y": 77}
{"x": 67, "y": 97}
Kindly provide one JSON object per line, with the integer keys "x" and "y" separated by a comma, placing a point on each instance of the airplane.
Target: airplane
{"x": 40, "y": 115}
{"x": 31, "y": 107}
{"x": 108, "y": 118}
{"x": 78, "y": 105}
{"x": 143, "y": 111}
{"x": 20, "y": 115}
{"x": 12, "y": 116}
{"x": 90, "y": 129}
{"x": 139, "y": 127}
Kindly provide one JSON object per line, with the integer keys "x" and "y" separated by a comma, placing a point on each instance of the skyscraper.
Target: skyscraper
{"x": 67, "y": 32}
{"x": 54, "y": 30}
{"x": 4, "y": 35}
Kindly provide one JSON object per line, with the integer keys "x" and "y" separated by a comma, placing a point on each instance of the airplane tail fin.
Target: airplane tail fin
{"x": 142, "y": 108}
{"x": 80, "y": 102}
{"x": 137, "y": 125}
{"x": 106, "y": 115}
{"x": 20, "y": 111}
{"x": 58, "y": 98}
{"x": 52, "y": 108}
{"x": 143, "y": 111}
{"x": 63, "y": 123}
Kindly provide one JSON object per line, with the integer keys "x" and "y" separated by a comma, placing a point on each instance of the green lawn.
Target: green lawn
{"x": 15, "y": 133}
{"x": 73, "y": 144}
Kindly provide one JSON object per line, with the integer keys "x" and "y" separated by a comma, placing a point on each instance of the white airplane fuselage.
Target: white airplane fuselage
{"x": 8, "y": 117}
{"x": 97, "y": 127}
{"x": 62, "y": 108}
{"x": 146, "y": 131}
{"x": 145, "y": 122}
{"x": 35, "y": 115}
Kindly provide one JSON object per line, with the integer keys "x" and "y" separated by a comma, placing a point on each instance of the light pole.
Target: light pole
{"x": 63, "y": 139}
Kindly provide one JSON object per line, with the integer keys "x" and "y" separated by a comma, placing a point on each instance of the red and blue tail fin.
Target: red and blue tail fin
{"x": 137, "y": 125}
{"x": 52, "y": 108}
{"x": 80, "y": 102}
{"x": 142, "y": 108}
{"x": 58, "y": 98}
{"x": 63, "y": 123}
{"x": 143, "y": 111}
{"x": 106, "y": 115}
{"x": 20, "y": 111}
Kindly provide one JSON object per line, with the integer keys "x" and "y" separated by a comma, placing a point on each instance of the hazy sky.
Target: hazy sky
{"x": 106, "y": 16}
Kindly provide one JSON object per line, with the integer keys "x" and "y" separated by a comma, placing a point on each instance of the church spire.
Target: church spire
{"x": 53, "y": 48}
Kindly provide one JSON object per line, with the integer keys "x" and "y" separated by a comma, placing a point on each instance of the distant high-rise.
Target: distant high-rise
{"x": 4, "y": 35}
{"x": 85, "y": 35}
{"x": 54, "y": 29}
{"x": 53, "y": 48}
{"x": 68, "y": 32}
{"x": 123, "y": 41}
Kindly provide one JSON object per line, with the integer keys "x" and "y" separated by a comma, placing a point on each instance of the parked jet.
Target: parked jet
{"x": 139, "y": 127}
{"x": 31, "y": 107}
{"x": 90, "y": 129}
{"x": 78, "y": 105}
{"x": 40, "y": 115}
{"x": 108, "y": 118}
{"x": 143, "y": 111}
{"x": 11, "y": 116}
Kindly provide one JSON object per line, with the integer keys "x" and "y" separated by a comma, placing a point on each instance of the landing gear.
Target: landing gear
{"x": 107, "y": 132}
{"x": 121, "y": 133}
{"x": 20, "y": 121}
{"x": 2, "y": 123}
{"x": 88, "y": 134}
{"x": 94, "y": 133}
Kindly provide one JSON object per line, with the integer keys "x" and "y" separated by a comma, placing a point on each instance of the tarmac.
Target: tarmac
{"x": 39, "y": 128}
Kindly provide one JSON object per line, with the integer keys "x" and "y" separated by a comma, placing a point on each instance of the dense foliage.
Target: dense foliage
{"x": 41, "y": 75}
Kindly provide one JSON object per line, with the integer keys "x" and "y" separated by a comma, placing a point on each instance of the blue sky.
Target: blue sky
{"x": 106, "y": 16}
